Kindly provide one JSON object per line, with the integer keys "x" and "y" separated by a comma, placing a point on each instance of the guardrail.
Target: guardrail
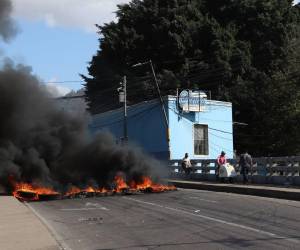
{"x": 265, "y": 170}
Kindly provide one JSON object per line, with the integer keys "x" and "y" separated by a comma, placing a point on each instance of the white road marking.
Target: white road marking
{"x": 216, "y": 220}
{"x": 200, "y": 199}
{"x": 84, "y": 209}
{"x": 96, "y": 205}
{"x": 291, "y": 203}
{"x": 89, "y": 204}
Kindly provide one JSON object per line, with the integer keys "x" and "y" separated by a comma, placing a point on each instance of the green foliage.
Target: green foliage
{"x": 243, "y": 51}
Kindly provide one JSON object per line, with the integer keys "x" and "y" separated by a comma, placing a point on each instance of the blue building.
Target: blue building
{"x": 198, "y": 126}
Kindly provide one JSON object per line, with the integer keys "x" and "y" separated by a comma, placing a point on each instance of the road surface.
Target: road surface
{"x": 185, "y": 219}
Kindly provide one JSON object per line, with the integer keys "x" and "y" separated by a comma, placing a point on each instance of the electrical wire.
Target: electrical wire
{"x": 109, "y": 104}
{"x": 219, "y": 130}
{"x": 130, "y": 116}
{"x": 212, "y": 145}
{"x": 225, "y": 132}
{"x": 62, "y": 82}
{"x": 220, "y": 137}
{"x": 226, "y": 149}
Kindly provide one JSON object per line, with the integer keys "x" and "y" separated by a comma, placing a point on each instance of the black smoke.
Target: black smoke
{"x": 43, "y": 145}
{"x": 7, "y": 26}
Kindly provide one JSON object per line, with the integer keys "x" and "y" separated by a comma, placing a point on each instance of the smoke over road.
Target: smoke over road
{"x": 42, "y": 145}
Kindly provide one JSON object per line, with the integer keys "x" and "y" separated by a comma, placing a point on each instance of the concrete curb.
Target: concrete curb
{"x": 263, "y": 191}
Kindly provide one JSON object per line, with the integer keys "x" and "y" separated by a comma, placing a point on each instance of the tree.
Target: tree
{"x": 239, "y": 50}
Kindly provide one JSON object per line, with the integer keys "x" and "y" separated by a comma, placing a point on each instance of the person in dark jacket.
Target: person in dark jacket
{"x": 245, "y": 164}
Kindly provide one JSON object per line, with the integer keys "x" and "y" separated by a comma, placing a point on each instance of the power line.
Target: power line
{"x": 199, "y": 72}
{"x": 216, "y": 145}
{"x": 131, "y": 116}
{"x": 222, "y": 131}
{"x": 221, "y": 137}
{"x": 60, "y": 82}
{"x": 71, "y": 97}
{"x": 226, "y": 132}
{"x": 99, "y": 93}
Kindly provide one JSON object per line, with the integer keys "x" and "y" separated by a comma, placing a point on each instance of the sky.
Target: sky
{"x": 58, "y": 38}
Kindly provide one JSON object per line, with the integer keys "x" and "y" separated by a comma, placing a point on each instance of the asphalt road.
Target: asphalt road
{"x": 185, "y": 219}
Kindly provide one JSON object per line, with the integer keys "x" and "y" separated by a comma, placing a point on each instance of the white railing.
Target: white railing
{"x": 268, "y": 170}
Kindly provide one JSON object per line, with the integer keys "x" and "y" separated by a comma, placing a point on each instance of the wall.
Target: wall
{"x": 218, "y": 117}
{"x": 145, "y": 127}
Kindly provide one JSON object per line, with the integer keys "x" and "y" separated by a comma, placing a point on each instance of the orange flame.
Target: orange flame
{"x": 28, "y": 192}
{"x": 154, "y": 187}
{"x": 89, "y": 190}
{"x": 146, "y": 183}
{"x": 101, "y": 190}
{"x": 120, "y": 184}
{"x": 73, "y": 191}
{"x": 25, "y": 191}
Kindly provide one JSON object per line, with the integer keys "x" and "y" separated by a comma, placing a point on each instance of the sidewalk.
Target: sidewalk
{"x": 21, "y": 229}
{"x": 256, "y": 190}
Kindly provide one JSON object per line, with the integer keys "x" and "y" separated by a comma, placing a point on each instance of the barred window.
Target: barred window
{"x": 200, "y": 139}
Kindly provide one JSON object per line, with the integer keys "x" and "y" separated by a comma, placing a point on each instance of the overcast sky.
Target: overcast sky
{"x": 82, "y": 14}
{"x": 58, "y": 37}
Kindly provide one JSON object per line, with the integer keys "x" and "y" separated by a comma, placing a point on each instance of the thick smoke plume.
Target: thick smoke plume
{"x": 7, "y": 26}
{"x": 43, "y": 145}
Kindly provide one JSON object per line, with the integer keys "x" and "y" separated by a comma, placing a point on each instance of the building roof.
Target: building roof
{"x": 155, "y": 101}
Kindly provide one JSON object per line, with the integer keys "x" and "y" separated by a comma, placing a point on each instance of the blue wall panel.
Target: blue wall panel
{"x": 218, "y": 117}
{"x": 145, "y": 127}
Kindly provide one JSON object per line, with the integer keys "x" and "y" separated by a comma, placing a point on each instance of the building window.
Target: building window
{"x": 200, "y": 139}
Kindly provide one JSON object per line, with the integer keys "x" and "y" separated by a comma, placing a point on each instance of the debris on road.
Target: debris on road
{"x": 29, "y": 192}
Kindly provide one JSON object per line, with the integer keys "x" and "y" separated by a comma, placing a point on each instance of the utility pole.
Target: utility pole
{"x": 160, "y": 97}
{"x": 157, "y": 88}
{"x": 123, "y": 98}
{"x": 161, "y": 102}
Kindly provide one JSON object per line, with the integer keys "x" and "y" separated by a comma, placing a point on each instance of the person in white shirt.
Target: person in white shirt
{"x": 186, "y": 164}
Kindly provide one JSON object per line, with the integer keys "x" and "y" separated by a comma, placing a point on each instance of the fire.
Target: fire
{"x": 147, "y": 184}
{"x": 120, "y": 184}
{"x": 90, "y": 190}
{"x": 29, "y": 192}
{"x": 102, "y": 190}
{"x": 73, "y": 191}
{"x": 25, "y": 191}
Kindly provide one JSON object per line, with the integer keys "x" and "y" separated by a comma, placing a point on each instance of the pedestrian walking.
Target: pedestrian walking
{"x": 245, "y": 164}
